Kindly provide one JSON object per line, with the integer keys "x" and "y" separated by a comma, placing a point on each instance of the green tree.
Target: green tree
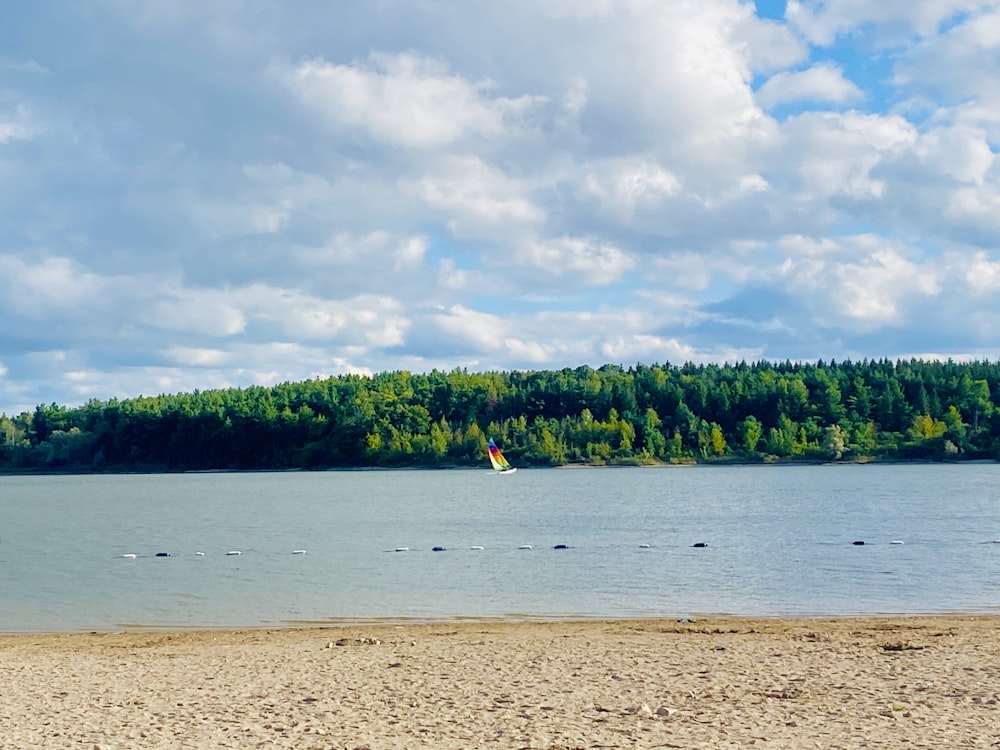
{"x": 753, "y": 431}
{"x": 834, "y": 442}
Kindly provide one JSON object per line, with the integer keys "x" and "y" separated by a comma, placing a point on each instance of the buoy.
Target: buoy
{"x": 437, "y": 549}
{"x": 402, "y": 549}
{"x": 163, "y": 554}
{"x": 561, "y": 546}
{"x": 896, "y": 541}
{"x": 298, "y": 551}
{"x": 130, "y": 555}
{"x": 700, "y": 544}
{"x": 200, "y": 554}
{"x": 234, "y": 552}
{"x": 858, "y": 543}
{"x": 644, "y": 546}
{"x": 476, "y": 546}
{"x": 525, "y": 546}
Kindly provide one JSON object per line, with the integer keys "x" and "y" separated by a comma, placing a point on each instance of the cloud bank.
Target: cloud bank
{"x": 204, "y": 195}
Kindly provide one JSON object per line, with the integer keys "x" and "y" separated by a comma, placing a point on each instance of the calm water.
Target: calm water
{"x": 779, "y": 541}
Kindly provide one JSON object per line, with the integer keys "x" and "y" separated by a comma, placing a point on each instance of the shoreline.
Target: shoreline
{"x": 720, "y": 682}
{"x": 722, "y": 463}
{"x": 389, "y": 621}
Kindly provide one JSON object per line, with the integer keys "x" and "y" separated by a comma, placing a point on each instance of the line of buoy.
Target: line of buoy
{"x": 479, "y": 547}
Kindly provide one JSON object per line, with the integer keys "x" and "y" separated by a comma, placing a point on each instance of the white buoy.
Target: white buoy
{"x": 525, "y": 546}
{"x": 402, "y": 549}
{"x": 476, "y": 546}
{"x": 130, "y": 555}
{"x": 200, "y": 554}
{"x": 234, "y": 552}
{"x": 298, "y": 551}
{"x": 643, "y": 546}
{"x": 896, "y": 541}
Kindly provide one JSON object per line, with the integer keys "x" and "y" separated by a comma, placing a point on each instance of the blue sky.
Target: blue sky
{"x": 199, "y": 195}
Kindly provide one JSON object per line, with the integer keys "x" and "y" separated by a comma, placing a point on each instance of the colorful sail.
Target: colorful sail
{"x": 497, "y": 461}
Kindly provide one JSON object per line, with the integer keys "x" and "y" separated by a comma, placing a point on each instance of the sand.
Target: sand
{"x": 913, "y": 682}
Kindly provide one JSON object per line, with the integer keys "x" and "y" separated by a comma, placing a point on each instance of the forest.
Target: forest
{"x": 763, "y": 412}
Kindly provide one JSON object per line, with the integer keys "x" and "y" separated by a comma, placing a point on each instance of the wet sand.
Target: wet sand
{"x": 894, "y": 682}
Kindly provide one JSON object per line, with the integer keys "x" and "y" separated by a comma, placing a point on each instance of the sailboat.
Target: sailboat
{"x": 497, "y": 461}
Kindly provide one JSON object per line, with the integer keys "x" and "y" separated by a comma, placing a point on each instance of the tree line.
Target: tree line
{"x": 761, "y": 412}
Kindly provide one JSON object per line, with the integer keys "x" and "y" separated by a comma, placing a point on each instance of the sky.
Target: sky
{"x": 199, "y": 195}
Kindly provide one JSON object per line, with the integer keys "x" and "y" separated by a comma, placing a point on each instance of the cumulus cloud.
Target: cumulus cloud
{"x": 820, "y": 83}
{"x": 46, "y": 288}
{"x": 477, "y": 197}
{"x": 590, "y": 261}
{"x": 821, "y": 21}
{"x": 405, "y": 99}
{"x": 863, "y": 282}
{"x": 624, "y": 185}
{"x": 441, "y": 184}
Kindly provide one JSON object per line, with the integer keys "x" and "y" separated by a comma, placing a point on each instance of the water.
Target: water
{"x": 779, "y": 542}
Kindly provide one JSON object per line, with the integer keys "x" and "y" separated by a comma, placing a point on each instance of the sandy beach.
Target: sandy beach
{"x": 913, "y": 682}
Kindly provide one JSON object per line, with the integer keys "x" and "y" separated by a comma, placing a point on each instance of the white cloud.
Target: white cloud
{"x": 960, "y": 152}
{"x": 591, "y": 261}
{"x": 50, "y": 287}
{"x": 821, "y": 21}
{"x": 646, "y": 348}
{"x": 443, "y": 184}
{"x": 406, "y": 99}
{"x": 19, "y": 126}
{"x": 475, "y": 197}
{"x": 820, "y": 83}
{"x": 210, "y": 312}
{"x": 475, "y": 328}
{"x": 837, "y": 152}
{"x": 952, "y": 76}
{"x": 974, "y": 206}
{"x": 410, "y": 253}
{"x": 981, "y": 274}
{"x": 195, "y": 357}
{"x": 867, "y": 284}
{"x": 623, "y": 186}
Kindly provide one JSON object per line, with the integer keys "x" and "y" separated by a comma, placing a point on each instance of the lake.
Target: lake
{"x": 322, "y": 547}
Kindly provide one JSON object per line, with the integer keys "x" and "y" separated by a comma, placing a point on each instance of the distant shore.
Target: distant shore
{"x": 926, "y": 681}
{"x": 651, "y": 465}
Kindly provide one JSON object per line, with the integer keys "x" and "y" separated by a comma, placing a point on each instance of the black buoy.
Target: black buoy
{"x": 700, "y": 544}
{"x": 858, "y": 543}
{"x": 561, "y": 546}
{"x": 437, "y": 549}
{"x": 163, "y": 554}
